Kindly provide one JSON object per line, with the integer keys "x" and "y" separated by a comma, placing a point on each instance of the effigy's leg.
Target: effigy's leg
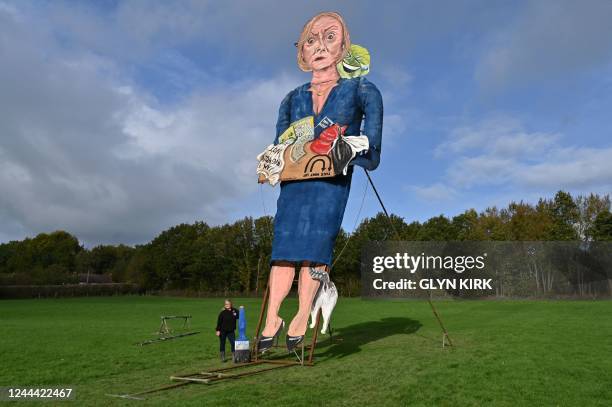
{"x": 281, "y": 280}
{"x": 307, "y": 289}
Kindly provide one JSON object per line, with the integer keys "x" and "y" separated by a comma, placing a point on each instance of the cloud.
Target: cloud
{"x": 137, "y": 30}
{"x": 497, "y": 136}
{"x": 123, "y": 118}
{"x": 436, "y": 192}
{"x": 85, "y": 150}
{"x": 548, "y": 41}
{"x": 568, "y": 168}
{"x": 88, "y": 145}
{"x": 498, "y": 152}
{"x": 571, "y": 168}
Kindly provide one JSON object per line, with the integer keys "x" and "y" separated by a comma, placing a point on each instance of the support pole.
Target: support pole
{"x": 397, "y": 236}
{"x": 264, "y": 305}
{"x": 444, "y": 332}
{"x": 314, "y": 338}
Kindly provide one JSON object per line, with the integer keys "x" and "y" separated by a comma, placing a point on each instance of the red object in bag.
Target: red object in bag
{"x": 324, "y": 143}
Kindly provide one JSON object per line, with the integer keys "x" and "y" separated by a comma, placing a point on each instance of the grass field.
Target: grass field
{"x": 543, "y": 353}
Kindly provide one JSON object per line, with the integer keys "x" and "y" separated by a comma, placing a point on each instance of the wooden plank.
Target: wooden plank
{"x": 190, "y": 379}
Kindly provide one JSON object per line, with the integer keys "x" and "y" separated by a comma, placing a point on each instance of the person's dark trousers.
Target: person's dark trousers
{"x": 229, "y": 335}
{"x": 232, "y": 338}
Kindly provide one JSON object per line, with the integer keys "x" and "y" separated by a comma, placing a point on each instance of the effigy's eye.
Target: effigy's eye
{"x": 331, "y": 36}
{"x": 310, "y": 41}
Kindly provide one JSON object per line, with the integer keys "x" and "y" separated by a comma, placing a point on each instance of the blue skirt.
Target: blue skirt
{"x": 308, "y": 218}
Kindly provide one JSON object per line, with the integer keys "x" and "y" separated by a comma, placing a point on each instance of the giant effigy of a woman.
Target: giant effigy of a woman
{"x": 319, "y": 138}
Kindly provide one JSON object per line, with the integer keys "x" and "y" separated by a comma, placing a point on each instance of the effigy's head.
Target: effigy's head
{"x": 324, "y": 41}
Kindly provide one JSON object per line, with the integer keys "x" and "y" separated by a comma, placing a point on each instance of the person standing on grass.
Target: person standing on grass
{"x": 226, "y": 327}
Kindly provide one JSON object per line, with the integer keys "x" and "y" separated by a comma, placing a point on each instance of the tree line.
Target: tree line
{"x": 234, "y": 258}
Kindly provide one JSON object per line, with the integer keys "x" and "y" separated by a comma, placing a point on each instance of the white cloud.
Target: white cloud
{"x": 467, "y": 172}
{"x": 85, "y": 150}
{"x": 570, "y": 168}
{"x": 499, "y": 136}
{"x": 498, "y": 152}
{"x": 434, "y": 193}
{"x": 88, "y": 149}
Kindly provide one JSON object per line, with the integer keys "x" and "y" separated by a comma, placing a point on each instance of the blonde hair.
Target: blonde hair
{"x": 346, "y": 42}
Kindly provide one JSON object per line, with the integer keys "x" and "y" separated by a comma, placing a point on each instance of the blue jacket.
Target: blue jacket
{"x": 347, "y": 103}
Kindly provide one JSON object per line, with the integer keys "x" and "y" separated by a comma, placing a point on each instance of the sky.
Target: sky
{"x": 120, "y": 119}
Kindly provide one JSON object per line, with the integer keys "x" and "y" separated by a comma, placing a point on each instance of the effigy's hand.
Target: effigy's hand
{"x": 271, "y": 163}
{"x": 345, "y": 150}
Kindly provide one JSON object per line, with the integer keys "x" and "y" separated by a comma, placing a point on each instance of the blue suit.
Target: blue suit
{"x": 309, "y": 213}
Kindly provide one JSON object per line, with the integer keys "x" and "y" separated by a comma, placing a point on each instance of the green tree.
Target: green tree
{"x": 438, "y": 228}
{"x": 565, "y": 215}
{"x": 602, "y": 227}
{"x": 465, "y": 225}
{"x": 491, "y": 225}
{"x": 526, "y": 222}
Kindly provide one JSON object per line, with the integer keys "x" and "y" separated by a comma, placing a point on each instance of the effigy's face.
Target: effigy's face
{"x": 323, "y": 46}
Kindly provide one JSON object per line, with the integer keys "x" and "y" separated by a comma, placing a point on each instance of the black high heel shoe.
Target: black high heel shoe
{"x": 266, "y": 342}
{"x": 293, "y": 341}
